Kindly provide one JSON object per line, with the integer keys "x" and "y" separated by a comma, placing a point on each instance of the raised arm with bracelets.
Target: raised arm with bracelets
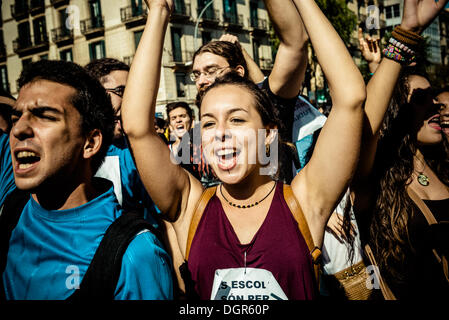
{"x": 418, "y": 14}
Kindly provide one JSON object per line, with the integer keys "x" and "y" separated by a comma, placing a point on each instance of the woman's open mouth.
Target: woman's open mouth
{"x": 227, "y": 158}
{"x": 434, "y": 122}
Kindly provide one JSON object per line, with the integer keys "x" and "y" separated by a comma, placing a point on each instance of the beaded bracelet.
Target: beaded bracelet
{"x": 395, "y": 53}
{"x": 401, "y": 46}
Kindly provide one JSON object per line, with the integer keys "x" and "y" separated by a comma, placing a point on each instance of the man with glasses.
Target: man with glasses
{"x": 119, "y": 165}
{"x": 283, "y": 85}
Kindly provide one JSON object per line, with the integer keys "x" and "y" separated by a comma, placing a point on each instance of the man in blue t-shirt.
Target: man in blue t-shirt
{"x": 62, "y": 128}
{"x": 119, "y": 166}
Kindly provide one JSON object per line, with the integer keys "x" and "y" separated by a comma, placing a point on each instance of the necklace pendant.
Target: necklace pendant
{"x": 423, "y": 180}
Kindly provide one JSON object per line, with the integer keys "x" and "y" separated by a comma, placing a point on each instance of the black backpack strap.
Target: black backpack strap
{"x": 10, "y": 213}
{"x": 101, "y": 277}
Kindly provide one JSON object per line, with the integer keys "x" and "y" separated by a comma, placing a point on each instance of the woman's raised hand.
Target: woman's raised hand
{"x": 168, "y": 4}
{"x": 418, "y": 14}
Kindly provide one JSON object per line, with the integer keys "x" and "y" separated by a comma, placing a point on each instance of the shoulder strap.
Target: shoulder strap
{"x": 198, "y": 213}
{"x": 9, "y": 217}
{"x": 100, "y": 280}
{"x": 430, "y": 220}
{"x": 298, "y": 214}
{"x": 386, "y": 291}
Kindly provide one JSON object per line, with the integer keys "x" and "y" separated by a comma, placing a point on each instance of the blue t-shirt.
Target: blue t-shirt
{"x": 119, "y": 167}
{"x": 6, "y": 172}
{"x": 50, "y": 250}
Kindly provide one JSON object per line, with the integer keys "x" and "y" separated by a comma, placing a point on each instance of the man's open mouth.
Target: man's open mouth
{"x": 26, "y": 159}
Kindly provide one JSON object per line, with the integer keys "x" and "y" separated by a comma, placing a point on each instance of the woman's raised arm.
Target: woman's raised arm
{"x": 167, "y": 183}
{"x": 320, "y": 185}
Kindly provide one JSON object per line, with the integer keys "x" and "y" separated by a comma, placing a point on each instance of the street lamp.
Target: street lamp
{"x": 195, "y": 34}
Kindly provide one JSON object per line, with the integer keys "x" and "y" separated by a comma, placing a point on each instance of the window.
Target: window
{"x": 137, "y": 36}
{"x": 180, "y": 84}
{"x": 24, "y": 34}
{"x": 393, "y": 11}
{"x": 137, "y": 9}
{"x": 179, "y": 6}
{"x": 95, "y": 13}
{"x": 43, "y": 57}
{"x": 230, "y": 8}
{"x": 253, "y": 13}
{"x": 40, "y": 30}
{"x": 256, "y": 46}
{"x": 63, "y": 19}
{"x": 97, "y": 50}
{"x": 176, "y": 35}
{"x": 206, "y": 37}
{"x": 4, "y": 78}
{"x": 66, "y": 55}
{"x": 396, "y": 10}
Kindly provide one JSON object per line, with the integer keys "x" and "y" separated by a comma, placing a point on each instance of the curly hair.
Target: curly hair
{"x": 394, "y": 165}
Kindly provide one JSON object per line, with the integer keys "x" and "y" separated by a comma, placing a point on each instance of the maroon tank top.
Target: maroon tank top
{"x": 278, "y": 246}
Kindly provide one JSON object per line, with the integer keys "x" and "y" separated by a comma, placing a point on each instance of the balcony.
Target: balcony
{"x": 259, "y": 26}
{"x": 62, "y": 36}
{"x": 92, "y": 27}
{"x": 210, "y": 17}
{"x": 133, "y": 16}
{"x": 24, "y": 46}
{"x": 59, "y": 3}
{"x": 233, "y": 21}
{"x": 181, "y": 13}
{"x": 37, "y": 6}
{"x": 180, "y": 60}
{"x": 20, "y": 10}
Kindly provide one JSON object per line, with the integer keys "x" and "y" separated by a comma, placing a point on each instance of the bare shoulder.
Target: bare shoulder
{"x": 188, "y": 206}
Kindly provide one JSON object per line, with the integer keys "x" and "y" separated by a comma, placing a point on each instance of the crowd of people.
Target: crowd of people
{"x": 262, "y": 198}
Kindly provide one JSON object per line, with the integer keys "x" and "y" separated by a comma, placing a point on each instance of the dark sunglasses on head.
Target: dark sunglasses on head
{"x": 118, "y": 90}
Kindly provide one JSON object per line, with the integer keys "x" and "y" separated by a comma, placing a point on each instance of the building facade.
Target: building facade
{"x": 84, "y": 30}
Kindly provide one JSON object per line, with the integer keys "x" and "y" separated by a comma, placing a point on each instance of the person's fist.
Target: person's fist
{"x": 167, "y": 4}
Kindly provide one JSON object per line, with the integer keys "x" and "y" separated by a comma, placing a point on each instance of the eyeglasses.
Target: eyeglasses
{"x": 120, "y": 90}
{"x": 210, "y": 74}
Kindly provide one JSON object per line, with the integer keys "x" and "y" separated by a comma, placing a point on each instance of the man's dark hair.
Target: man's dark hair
{"x": 180, "y": 104}
{"x": 160, "y": 122}
{"x": 230, "y": 51}
{"x": 91, "y": 99}
{"x": 104, "y": 66}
